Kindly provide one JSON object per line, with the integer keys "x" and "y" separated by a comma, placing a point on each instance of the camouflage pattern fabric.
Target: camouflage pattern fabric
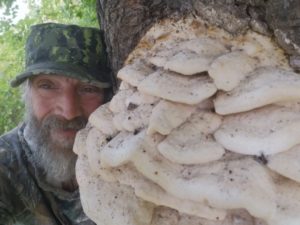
{"x": 24, "y": 197}
{"x": 67, "y": 50}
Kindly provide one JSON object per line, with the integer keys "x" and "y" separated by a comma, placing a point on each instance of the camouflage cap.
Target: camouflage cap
{"x": 67, "y": 50}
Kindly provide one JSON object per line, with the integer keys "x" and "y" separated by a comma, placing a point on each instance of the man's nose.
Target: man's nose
{"x": 69, "y": 105}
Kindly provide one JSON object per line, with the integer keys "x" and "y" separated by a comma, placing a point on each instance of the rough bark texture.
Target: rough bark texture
{"x": 125, "y": 21}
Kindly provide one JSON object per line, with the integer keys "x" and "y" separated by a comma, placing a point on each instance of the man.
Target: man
{"x": 65, "y": 80}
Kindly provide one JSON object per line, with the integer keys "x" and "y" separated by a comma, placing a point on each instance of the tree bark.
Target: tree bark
{"x": 126, "y": 21}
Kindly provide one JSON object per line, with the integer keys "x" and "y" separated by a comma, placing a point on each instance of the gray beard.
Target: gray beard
{"x": 54, "y": 157}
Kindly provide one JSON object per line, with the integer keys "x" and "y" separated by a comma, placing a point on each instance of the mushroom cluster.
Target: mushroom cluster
{"x": 205, "y": 129}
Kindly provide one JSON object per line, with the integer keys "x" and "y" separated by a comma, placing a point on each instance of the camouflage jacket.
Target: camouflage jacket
{"x": 24, "y": 197}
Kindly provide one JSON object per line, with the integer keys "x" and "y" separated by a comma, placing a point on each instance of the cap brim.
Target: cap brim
{"x": 68, "y": 70}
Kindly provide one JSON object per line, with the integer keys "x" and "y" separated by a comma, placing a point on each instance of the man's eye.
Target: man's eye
{"x": 46, "y": 86}
{"x": 89, "y": 89}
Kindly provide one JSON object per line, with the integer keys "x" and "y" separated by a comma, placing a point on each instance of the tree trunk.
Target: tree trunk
{"x": 125, "y": 21}
{"x": 204, "y": 127}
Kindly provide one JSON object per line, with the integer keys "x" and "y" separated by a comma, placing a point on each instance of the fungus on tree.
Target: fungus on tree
{"x": 204, "y": 92}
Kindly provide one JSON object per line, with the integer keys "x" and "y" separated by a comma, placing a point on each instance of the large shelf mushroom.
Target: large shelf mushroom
{"x": 204, "y": 130}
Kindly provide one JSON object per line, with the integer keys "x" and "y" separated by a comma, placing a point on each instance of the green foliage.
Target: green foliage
{"x": 6, "y": 3}
{"x": 12, "y": 40}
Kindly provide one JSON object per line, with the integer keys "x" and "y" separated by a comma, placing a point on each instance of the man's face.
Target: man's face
{"x": 62, "y": 105}
{"x": 57, "y": 107}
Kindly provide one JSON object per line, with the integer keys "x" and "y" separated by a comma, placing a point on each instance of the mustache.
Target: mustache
{"x": 56, "y": 122}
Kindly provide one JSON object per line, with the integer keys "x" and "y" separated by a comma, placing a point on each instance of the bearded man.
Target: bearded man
{"x": 65, "y": 80}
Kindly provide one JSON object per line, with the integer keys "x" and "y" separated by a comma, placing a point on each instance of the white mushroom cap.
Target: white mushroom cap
{"x": 192, "y": 142}
{"x": 118, "y": 205}
{"x": 242, "y": 183}
{"x": 151, "y": 192}
{"x": 125, "y": 86}
{"x": 134, "y": 73}
{"x": 261, "y": 47}
{"x": 204, "y": 46}
{"x": 174, "y": 87}
{"x": 188, "y": 62}
{"x": 132, "y": 109}
{"x": 287, "y": 203}
{"x": 133, "y": 119}
{"x": 286, "y": 163}
{"x": 230, "y": 69}
{"x": 266, "y": 131}
{"x": 121, "y": 149}
{"x": 263, "y": 86}
{"x": 138, "y": 98}
{"x": 102, "y": 119}
{"x": 168, "y": 115}
{"x": 234, "y": 217}
{"x": 95, "y": 142}
{"x": 187, "y": 57}
{"x": 80, "y": 140}
{"x": 160, "y": 58}
{"x": 118, "y": 102}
